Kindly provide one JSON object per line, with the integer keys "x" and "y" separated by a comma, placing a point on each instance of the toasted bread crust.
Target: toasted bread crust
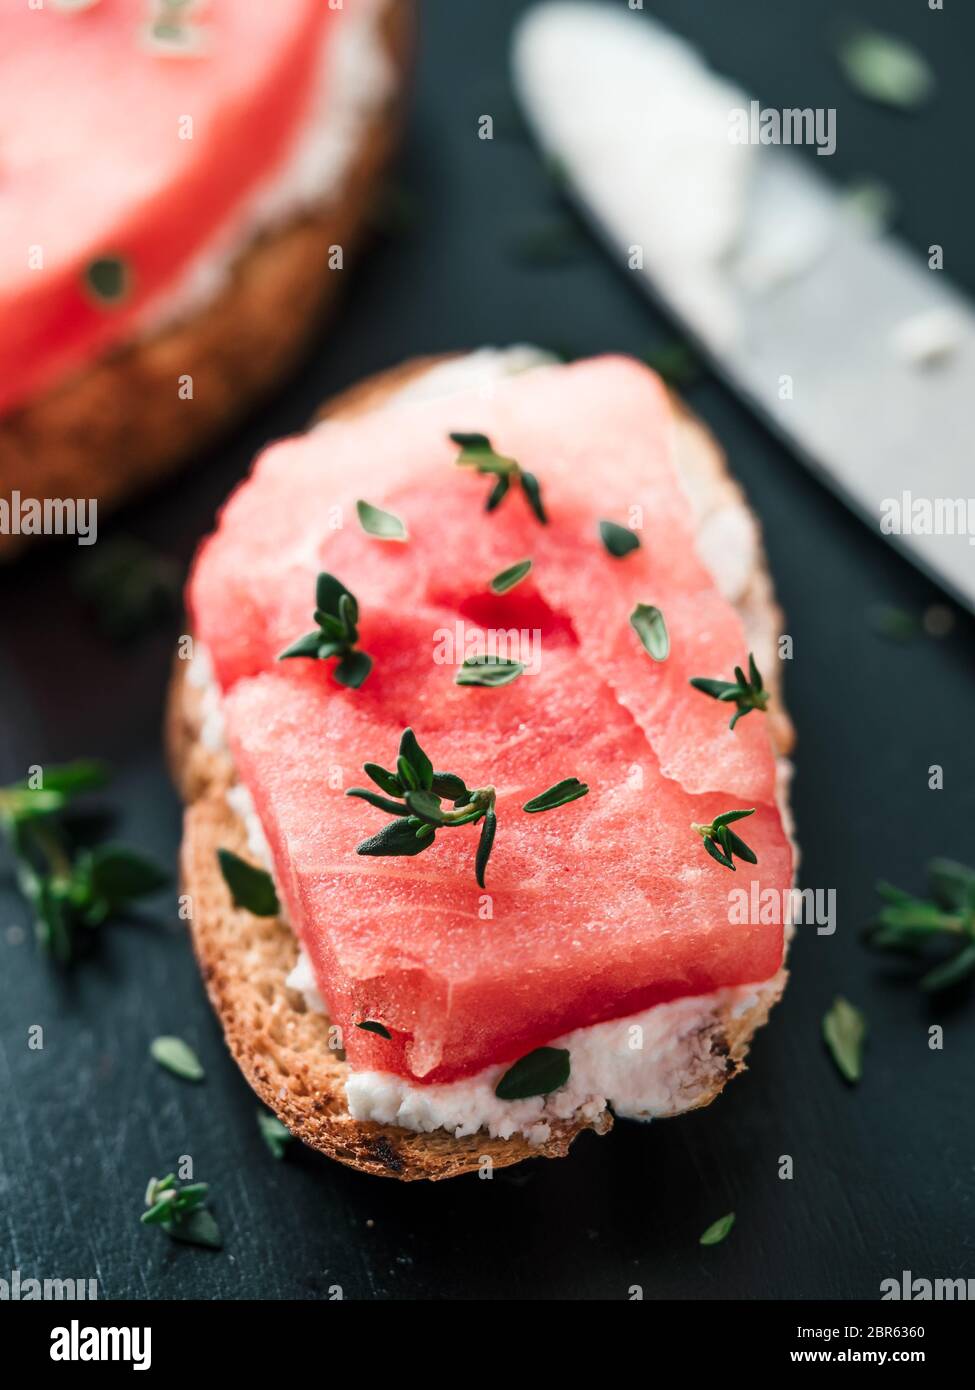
{"x": 120, "y": 424}
{"x": 282, "y": 1047}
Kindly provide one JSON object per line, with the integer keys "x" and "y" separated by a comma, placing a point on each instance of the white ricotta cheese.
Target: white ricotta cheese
{"x": 647, "y": 1064}
{"x": 354, "y": 80}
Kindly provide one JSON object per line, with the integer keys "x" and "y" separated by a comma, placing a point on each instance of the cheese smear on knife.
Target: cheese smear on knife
{"x": 602, "y": 915}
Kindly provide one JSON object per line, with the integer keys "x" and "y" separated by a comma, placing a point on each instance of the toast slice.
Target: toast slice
{"x": 118, "y": 425}
{"x": 281, "y": 1045}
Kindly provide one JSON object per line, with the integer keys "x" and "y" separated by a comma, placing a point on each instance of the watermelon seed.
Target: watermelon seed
{"x": 107, "y": 280}
{"x": 370, "y": 1026}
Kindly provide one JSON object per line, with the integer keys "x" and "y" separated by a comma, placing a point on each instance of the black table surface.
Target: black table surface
{"x": 884, "y": 1173}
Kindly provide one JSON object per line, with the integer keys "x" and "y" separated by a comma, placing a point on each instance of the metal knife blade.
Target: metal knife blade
{"x": 806, "y": 293}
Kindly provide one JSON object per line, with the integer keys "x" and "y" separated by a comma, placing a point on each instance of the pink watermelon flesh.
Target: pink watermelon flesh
{"x": 600, "y": 908}
{"x": 94, "y": 166}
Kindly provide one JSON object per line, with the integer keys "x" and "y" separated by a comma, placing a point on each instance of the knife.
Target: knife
{"x": 849, "y": 346}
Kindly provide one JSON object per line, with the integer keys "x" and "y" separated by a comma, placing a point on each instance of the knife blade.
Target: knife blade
{"x": 846, "y": 343}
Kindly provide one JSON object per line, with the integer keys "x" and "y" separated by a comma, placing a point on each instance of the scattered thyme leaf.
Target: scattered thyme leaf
{"x": 485, "y": 844}
{"x": 488, "y": 670}
{"x": 845, "y": 1029}
{"x": 648, "y": 624}
{"x": 276, "y": 1136}
{"x": 177, "y": 1057}
{"x": 384, "y": 525}
{"x": 618, "y": 540}
{"x": 885, "y": 68}
{"x": 571, "y": 789}
{"x": 718, "y": 1230}
{"x": 250, "y": 888}
{"x": 507, "y": 579}
{"x": 538, "y": 1073}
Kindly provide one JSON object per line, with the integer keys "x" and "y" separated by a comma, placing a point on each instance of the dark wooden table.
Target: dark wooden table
{"x": 884, "y": 1173}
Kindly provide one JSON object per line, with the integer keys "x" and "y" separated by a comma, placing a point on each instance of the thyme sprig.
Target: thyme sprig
{"x": 415, "y": 795}
{"x": 907, "y": 924}
{"x": 70, "y": 889}
{"x": 746, "y": 692}
{"x": 180, "y": 1211}
{"x": 337, "y": 616}
{"x": 722, "y": 843}
{"x": 477, "y": 452}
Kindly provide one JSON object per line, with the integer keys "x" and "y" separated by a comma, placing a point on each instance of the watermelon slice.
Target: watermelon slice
{"x": 594, "y": 911}
{"x": 97, "y": 164}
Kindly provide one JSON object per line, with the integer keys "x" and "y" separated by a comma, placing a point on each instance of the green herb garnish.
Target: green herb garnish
{"x": 250, "y": 888}
{"x": 722, "y": 843}
{"x": 369, "y": 1025}
{"x": 746, "y": 692}
{"x": 885, "y": 68}
{"x": 416, "y": 795}
{"x": 560, "y": 795}
{"x": 180, "y": 1212}
{"x": 488, "y": 670}
{"x": 555, "y": 242}
{"x": 70, "y": 890}
{"x": 508, "y": 578}
{"x": 907, "y": 924}
{"x": 845, "y": 1030}
{"x": 896, "y": 624}
{"x": 107, "y": 280}
{"x": 648, "y": 624}
{"x": 676, "y": 364}
{"x": 618, "y": 540}
{"x": 476, "y": 452}
{"x": 171, "y": 31}
{"x": 176, "y": 1056}
{"x": 275, "y": 1135}
{"x": 376, "y": 522}
{"x": 129, "y": 586}
{"x": 718, "y": 1230}
{"x": 536, "y": 1074}
{"x": 336, "y": 613}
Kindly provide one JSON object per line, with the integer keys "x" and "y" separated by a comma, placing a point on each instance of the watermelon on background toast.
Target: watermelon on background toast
{"x": 596, "y": 910}
{"x": 98, "y": 164}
